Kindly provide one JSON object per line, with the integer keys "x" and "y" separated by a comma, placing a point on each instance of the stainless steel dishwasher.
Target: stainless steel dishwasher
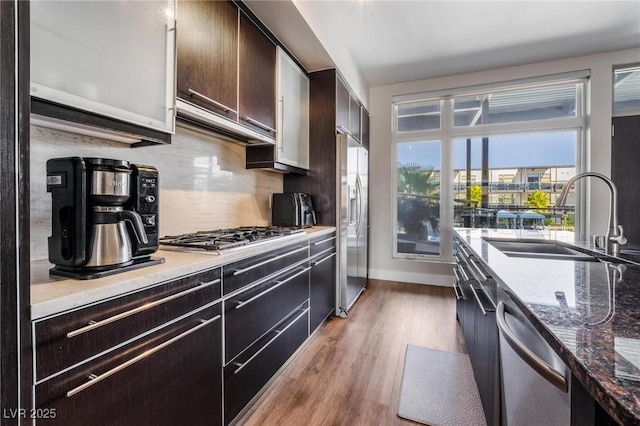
{"x": 535, "y": 381}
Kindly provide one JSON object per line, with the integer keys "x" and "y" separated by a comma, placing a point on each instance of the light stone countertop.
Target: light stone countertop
{"x": 53, "y": 294}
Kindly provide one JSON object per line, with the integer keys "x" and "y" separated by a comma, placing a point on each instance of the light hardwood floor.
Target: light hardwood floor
{"x": 349, "y": 373}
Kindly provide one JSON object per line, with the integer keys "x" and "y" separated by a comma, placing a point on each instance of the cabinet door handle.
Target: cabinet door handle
{"x": 97, "y": 324}
{"x": 473, "y": 290}
{"x": 281, "y": 146}
{"x": 326, "y": 258}
{"x": 211, "y": 101}
{"x": 455, "y": 285}
{"x": 538, "y": 364}
{"x": 278, "y": 333}
{"x": 93, "y": 379}
{"x": 315, "y": 243}
{"x": 259, "y": 124}
{"x": 241, "y": 303}
{"x": 475, "y": 266}
{"x": 264, "y": 262}
{"x": 463, "y": 273}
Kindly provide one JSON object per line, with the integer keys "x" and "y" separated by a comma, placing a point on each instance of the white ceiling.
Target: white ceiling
{"x": 396, "y": 41}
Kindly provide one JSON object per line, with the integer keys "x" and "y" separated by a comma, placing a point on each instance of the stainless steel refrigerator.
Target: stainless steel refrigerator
{"x": 352, "y": 218}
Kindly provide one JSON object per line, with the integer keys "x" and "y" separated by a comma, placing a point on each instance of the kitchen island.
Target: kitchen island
{"x": 587, "y": 311}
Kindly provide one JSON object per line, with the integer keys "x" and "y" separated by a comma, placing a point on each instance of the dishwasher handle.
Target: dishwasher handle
{"x": 539, "y": 365}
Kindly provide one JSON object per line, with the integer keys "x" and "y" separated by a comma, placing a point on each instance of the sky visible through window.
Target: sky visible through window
{"x": 524, "y": 150}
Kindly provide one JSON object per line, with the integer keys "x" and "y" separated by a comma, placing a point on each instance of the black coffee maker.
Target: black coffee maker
{"x": 104, "y": 216}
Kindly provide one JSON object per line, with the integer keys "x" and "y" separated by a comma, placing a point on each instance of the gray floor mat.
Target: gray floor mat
{"x": 438, "y": 388}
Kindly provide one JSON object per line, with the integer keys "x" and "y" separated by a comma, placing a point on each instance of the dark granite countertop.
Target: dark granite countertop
{"x": 597, "y": 330}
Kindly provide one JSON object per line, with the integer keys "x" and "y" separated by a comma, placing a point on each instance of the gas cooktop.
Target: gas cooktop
{"x": 221, "y": 240}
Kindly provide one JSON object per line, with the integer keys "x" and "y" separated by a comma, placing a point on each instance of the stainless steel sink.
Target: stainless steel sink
{"x": 543, "y": 249}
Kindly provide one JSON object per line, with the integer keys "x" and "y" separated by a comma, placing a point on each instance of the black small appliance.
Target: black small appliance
{"x": 97, "y": 227}
{"x": 294, "y": 209}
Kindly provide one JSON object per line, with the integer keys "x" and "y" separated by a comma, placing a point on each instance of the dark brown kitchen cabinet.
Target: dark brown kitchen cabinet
{"x": 129, "y": 358}
{"x": 255, "y": 311}
{"x": 257, "y": 78}
{"x": 354, "y": 117}
{"x": 207, "y": 55}
{"x": 247, "y": 375}
{"x": 245, "y": 272}
{"x": 477, "y": 317}
{"x": 364, "y": 126}
{"x": 625, "y": 157}
{"x": 322, "y": 286}
{"x": 226, "y": 71}
{"x": 266, "y": 310}
{"x": 67, "y": 339}
{"x": 173, "y": 377}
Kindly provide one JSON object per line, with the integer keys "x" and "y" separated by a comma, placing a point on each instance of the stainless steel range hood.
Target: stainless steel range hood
{"x": 231, "y": 130}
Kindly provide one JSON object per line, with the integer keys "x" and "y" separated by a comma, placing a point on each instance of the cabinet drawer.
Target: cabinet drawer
{"x": 254, "y": 312}
{"x": 138, "y": 384}
{"x": 70, "y": 338}
{"x": 247, "y": 271}
{"x": 322, "y": 295}
{"x": 244, "y": 378}
{"x": 322, "y": 244}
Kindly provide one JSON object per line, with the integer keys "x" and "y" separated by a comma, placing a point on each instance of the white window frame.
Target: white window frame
{"x": 448, "y": 132}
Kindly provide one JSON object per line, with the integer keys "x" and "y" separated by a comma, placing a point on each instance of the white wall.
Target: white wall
{"x": 204, "y": 183}
{"x": 381, "y": 263}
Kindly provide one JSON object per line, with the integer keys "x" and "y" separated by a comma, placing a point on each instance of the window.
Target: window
{"x": 418, "y": 198}
{"x": 505, "y": 178}
{"x": 463, "y": 155}
{"x": 515, "y": 105}
{"x": 626, "y": 91}
{"x": 420, "y": 115}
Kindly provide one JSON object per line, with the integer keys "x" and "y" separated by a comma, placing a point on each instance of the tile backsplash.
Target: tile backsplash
{"x": 203, "y": 181}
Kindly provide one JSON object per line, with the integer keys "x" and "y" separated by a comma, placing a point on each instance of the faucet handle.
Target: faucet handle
{"x": 620, "y": 238}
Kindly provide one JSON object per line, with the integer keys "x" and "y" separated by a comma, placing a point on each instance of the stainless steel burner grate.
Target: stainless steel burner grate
{"x": 224, "y": 239}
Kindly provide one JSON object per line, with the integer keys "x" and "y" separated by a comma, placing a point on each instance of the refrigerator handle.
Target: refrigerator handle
{"x": 359, "y": 209}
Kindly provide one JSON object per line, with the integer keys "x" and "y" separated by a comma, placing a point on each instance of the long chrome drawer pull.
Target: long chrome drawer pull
{"x": 264, "y": 262}
{"x": 320, "y": 261}
{"x": 323, "y": 241}
{"x": 464, "y": 252}
{"x": 315, "y": 256}
{"x": 473, "y": 272}
{"x": 473, "y": 290}
{"x": 483, "y": 277}
{"x": 216, "y": 103}
{"x": 278, "y": 333}
{"x": 259, "y": 124}
{"x": 463, "y": 273}
{"x": 455, "y": 285}
{"x": 539, "y": 365}
{"x": 97, "y": 324}
{"x": 93, "y": 379}
{"x": 242, "y": 303}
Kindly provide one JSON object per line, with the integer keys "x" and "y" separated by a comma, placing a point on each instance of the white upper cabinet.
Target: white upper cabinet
{"x": 112, "y": 58}
{"x": 292, "y": 113}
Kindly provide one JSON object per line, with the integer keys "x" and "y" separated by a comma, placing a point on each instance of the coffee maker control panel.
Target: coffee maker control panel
{"x": 144, "y": 197}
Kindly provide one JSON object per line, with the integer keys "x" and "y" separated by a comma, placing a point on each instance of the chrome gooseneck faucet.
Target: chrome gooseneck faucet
{"x": 615, "y": 234}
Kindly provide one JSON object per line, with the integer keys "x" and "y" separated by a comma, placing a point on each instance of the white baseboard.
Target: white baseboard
{"x": 411, "y": 277}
